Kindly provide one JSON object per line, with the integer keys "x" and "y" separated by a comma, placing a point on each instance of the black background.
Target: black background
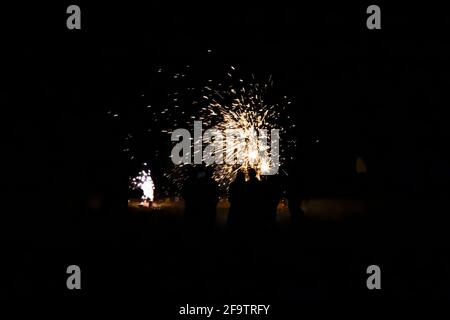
{"x": 377, "y": 93}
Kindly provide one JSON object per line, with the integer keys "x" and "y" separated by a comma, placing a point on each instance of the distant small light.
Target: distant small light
{"x": 115, "y": 115}
{"x": 317, "y": 140}
{"x": 209, "y": 50}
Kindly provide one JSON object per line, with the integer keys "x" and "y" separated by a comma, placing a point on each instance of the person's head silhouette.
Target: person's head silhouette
{"x": 252, "y": 174}
{"x": 240, "y": 176}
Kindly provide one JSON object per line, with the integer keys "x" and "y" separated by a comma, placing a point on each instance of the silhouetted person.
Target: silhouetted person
{"x": 253, "y": 201}
{"x": 295, "y": 194}
{"x": 236, "y": 197}
{"x": 201, "y": 197}
{"x": 211, "y": 197}
{"x": 272, "y": 191}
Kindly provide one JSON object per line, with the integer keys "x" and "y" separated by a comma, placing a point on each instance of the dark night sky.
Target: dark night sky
{"x": 381, "y": 94}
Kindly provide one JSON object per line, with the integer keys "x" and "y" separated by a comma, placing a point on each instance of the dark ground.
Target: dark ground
{"x": 152, "y": 256}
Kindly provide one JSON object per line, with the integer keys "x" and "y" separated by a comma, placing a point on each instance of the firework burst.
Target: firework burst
{"x": 243, "y": 106}
{"x": 144, "y": 182}
{"x": 236, "y": 101}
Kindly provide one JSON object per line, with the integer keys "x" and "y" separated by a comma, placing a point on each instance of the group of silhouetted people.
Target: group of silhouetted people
{"x": 253, "y": 203}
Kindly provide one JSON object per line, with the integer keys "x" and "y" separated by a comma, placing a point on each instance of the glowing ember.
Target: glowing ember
{"x": 144, "y": 182}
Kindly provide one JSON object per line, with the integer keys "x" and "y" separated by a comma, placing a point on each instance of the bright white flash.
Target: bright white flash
{"x": 144, "y": 182}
